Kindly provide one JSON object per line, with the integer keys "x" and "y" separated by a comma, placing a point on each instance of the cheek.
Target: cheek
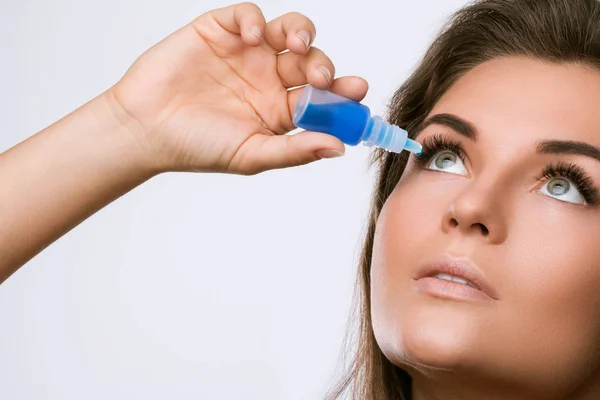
{"x": 408, "y": 222}
{"x": 406, "y": 232}
{"x": 550, "y": 279}
{"x": 386, "y": 266}
{"x": 556, "y": 259}
{"x": 412, "y": 215}
{"x": 557, "y": 251}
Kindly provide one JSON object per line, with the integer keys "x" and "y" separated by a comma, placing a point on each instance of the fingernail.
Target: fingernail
{"x": 256, "y": 31}
{"x": 305, "y": 36}
{"x": 328, "y": 153}
{"x": 326, "y": 72}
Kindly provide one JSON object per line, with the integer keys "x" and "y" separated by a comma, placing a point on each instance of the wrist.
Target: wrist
{"x": 127, "y": 132}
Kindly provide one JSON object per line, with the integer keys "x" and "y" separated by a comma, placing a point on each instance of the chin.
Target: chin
{"x": 437, "y": 336}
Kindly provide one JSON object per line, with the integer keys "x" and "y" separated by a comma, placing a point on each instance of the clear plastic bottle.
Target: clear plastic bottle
{"x": 350, "y": 121}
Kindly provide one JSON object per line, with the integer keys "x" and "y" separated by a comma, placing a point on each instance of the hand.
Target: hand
{"x": 215, "y": 95}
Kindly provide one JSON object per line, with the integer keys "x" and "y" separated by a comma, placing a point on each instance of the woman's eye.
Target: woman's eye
{"x": 447, "y": 161}
{"x": 563, "y": 190}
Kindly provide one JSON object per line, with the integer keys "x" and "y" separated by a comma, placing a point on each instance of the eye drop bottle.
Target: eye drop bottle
{"x": 350, "y": 121}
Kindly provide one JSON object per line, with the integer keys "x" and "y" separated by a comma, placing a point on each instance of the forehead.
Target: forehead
{"x": 521, "y": 99}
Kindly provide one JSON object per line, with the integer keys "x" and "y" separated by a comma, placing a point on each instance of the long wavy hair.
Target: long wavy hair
{"x": 554, "y": 31}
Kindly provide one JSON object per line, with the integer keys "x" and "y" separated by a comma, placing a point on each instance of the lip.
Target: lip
{"x": 460, "y": 267}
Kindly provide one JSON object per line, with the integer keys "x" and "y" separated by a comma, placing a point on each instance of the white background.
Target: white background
{"x": 191, "y": 286}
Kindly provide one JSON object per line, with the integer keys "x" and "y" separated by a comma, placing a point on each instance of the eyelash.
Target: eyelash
{"x": 434, "y": 144}
{"x": 437, "y": 143}
{"x": 575, "y": 174}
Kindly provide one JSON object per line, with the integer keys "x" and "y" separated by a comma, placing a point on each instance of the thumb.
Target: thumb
{"x": 283, "y": 151}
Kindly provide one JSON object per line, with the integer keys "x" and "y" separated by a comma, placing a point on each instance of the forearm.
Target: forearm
{"x": 57, "y": 178}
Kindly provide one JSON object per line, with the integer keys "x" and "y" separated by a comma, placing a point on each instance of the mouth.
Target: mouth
{"x": 454, "y": 277}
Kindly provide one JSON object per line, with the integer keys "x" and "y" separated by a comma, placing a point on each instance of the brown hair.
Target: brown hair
{"x": 556, "y": 31}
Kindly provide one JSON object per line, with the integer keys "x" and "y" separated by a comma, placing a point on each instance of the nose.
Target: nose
{"x": 477, "y": 211}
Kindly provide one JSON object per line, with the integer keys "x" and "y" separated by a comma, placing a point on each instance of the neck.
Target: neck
{"x": 452, "y": 385}
{"x": 449, "y": 385}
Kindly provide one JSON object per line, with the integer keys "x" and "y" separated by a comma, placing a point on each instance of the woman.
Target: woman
{"x": 480, "y": 268}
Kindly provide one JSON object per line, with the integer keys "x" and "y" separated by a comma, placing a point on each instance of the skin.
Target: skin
{"x": 540, "y": 339}
{"x": 214, "y": 96}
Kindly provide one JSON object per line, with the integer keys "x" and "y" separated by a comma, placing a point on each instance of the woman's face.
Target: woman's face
{"x": 515, "y": 196}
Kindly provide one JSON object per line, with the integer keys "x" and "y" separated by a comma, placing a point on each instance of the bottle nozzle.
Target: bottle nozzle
{"x": 413, "y": 146}
{"x": 389, "y": 137}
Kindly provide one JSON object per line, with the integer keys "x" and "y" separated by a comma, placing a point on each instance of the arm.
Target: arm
{"x": 215, "y": 96}
{"x": 57, "y": 178}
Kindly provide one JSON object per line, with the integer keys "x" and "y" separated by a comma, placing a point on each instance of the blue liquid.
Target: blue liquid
{"x": 344, "y": 120}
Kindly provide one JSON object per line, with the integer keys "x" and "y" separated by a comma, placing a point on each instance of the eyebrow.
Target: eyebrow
{"x": 469, "y": 131}
{"x": 568, "y": 147}
{"x": 453, "y": 122}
